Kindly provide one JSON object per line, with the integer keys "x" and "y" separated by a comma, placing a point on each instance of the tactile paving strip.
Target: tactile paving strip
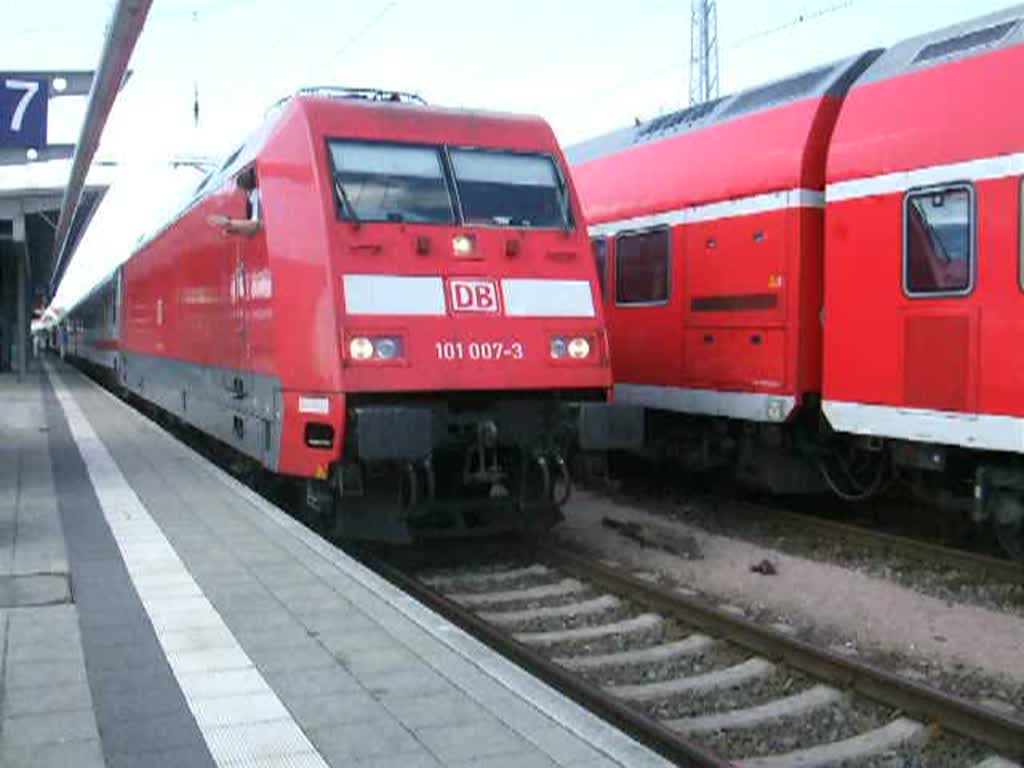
{"x": 260, "y": 731}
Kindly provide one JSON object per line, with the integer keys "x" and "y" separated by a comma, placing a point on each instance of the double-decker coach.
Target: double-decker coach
{"x": 818, "y": 281}
{"x": 392, "y": 302}
{"x": 924, "y": 278}
{"x": 706, "y": 225}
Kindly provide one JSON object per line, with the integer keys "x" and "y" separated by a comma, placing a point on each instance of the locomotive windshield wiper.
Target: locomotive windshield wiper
{"x": 563, "y": 204}
{"x": 346, "y": 204}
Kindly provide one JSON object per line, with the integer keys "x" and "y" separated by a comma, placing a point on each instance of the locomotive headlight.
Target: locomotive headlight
{"x": 387, "y": 348}
{"x": 382, "y": 348}
{"x": 463, "y": 245}
{"x": 579, "y": 348}
{"x": 360, "y": 348}
{"x": 558, "y": 347}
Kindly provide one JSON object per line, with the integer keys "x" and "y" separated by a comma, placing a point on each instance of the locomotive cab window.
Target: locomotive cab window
{"x": 599, "y": 248}
{"x": 375, "y": 181}
{"x": 509, "y": 188}
{"x": 938, "y": 241}
{"x": 246, "y": 181}
{"x": 641, "y": 267}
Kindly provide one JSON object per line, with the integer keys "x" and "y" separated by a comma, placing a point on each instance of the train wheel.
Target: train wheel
{"x": 1008, "y": 522}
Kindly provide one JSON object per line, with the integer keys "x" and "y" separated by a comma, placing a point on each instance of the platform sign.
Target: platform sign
{"x": 23, "y": 103}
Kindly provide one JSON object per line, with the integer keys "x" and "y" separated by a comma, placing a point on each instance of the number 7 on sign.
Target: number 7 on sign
{"x": 30, "y": 88}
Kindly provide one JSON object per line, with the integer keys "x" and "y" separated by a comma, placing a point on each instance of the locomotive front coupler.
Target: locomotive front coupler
{"x": 481, "y": 465}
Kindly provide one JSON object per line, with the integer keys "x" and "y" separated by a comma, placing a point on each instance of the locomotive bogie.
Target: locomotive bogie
{"x": 455, "y": 464}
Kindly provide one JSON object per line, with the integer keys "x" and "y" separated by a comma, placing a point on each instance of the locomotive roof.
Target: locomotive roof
{"x": 317, "y": 100}
{"x": 829, "y": 79}
{"x": 317, "y": 103}
{"x": 1001, "y": 29}
{"x": 420, "y": 112}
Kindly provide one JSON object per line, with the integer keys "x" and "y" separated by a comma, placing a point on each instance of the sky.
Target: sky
{"x": 587, "y": 66}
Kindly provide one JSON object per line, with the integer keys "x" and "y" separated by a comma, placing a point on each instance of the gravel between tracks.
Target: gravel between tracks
{"x": 835, "y": 723}
{"x": 755, "y": 525}
{"x": 942, "y": 752}
{"x": 967, "y": 649}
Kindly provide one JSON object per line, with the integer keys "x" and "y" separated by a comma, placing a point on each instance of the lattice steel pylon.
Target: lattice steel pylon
{"x": 703, "y": 50}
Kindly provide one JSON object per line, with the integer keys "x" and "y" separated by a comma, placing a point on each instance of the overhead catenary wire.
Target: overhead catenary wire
{"x": 356, "y": 36}
{"x": 797, "y": 20}
{"x": 670, "y": 65}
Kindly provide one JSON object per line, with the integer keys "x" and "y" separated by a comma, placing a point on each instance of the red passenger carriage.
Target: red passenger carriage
{"x": 395, "y": 302}
{"x": 709, "y": 225}
{"x": 820, "y": 279}
{"x": 924, "y": 288}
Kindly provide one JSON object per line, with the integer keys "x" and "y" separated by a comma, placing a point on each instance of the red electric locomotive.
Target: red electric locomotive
{"x": 391, "y": 301}
{"x": 818, "y": 281}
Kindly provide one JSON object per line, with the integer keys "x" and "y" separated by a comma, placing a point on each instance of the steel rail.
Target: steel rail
{"x": 1005, "y": 570}
{"x": 974, "y": 722}
{"x": 1002, "y": 733}
{"x": 666, "y": 742}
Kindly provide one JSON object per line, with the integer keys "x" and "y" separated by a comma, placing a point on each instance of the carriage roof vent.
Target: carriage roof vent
{"x": 964, "y": 42}
{"x": 679, "y": 118}
{"x": 781, "y": 91}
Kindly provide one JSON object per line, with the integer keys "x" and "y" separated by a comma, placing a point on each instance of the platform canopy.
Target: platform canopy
{"x": 45, "y": 203}
{"x": 33, "y": 179}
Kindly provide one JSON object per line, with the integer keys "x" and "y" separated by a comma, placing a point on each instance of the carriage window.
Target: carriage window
{"x": 641, "y": 267}
{"x": 246, "y": 182}
{"x": 938, "y": 250}
{"x": 390, "y": 182}
{"x": 599, "y": 247}
{"x": 509, "y": 188}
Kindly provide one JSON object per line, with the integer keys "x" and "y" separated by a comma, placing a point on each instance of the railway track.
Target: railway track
{"x": 693, "y": 682}
{"x": 702, "y": 686}
{"x": 997, "y": 568}
{"x": 779, "y": 521}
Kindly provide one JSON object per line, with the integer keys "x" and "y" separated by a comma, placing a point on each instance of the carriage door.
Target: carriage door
{"x": 938, "y": 316}
{"x": 642, "y": 322}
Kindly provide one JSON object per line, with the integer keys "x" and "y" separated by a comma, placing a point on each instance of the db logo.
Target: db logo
{"x": 473, "y": 295}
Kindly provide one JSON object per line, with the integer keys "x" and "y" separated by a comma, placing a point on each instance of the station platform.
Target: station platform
{"x": 156, "y": 612}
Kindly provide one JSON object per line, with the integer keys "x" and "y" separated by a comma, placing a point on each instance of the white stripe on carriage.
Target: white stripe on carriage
{"x": 750, "y": 406}
{"x": 722, "y": 209}
{"x": 992, "y": 431}
{"x": 887, "y": 183}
